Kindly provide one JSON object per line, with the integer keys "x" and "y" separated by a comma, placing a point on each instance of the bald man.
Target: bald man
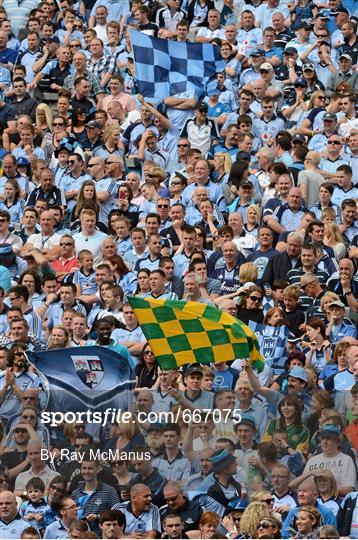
{"x": 11, "y": 524}
{"x": 142, "y": 517}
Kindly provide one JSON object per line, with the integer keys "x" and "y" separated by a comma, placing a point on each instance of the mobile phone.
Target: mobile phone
{"x": 122, "y": 195}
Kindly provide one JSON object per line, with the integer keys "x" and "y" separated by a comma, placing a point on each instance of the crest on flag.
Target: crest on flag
{"x": 89, "y": 369}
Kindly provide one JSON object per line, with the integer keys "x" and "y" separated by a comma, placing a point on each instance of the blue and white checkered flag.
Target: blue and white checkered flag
{"x": 164, "y": 67}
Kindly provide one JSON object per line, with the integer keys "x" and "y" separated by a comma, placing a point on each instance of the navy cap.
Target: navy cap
{"x": 290, "y": 50}
{"x": 53, "y": 39}
{"x": 322, "y": 16}
{"x": 339, "y": 10}
{"x": 248, "y": 420}
{"x": 155, "y": 426}
{"x": 22, "y": 161}
{"x": 201, "y": 106}
{"x": 329, "y": 116}
{"x": 93, "y": 124}
{"x": 299, "y": 138}
{"x": 258, "y": 52}
{"x": 300, "y": 82}
{"x": 193, "y": 368}
{"x": 247, "y": 183}
{"x": 306, "y": 25}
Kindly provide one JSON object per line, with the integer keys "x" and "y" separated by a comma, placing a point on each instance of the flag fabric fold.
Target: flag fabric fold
{"x": 181, "y": 332}
{"x": 85, "y": 378}
{"x": 165, "y": 67}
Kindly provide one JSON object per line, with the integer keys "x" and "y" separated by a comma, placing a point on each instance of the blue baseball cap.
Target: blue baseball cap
{"x": 331, "y": 430}
{"x": 298, "y": 373}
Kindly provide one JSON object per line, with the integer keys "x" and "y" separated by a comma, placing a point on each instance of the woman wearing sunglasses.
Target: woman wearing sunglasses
{"x": 250, "y": 308}
{"x": 147, "y": 370}
{"x": 269, "y": 527}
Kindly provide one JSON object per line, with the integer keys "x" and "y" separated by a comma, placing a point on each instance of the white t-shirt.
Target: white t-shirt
{"x": 341, "y": 466}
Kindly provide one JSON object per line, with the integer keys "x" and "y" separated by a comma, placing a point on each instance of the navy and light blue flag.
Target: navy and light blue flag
{"x": 272, "y": 344}
{"x": 164, "y": 67}
{"x": 85, "y": 378}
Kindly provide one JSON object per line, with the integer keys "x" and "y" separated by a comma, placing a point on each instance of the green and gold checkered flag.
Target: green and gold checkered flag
{"x": 182, "y": 332}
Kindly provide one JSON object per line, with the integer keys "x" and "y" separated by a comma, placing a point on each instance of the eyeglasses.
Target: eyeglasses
{"x": 92, "y": 164}
{"x": 72, "y": 161}
{"x": 2, "y": 220}
{"x": 162, "y": 206}
{"x": 116, "y": 463}
{"x": 171, "y": 499}
{"x": 29, "y": 417}
{"x": 305, "y": 285}
{"x": 111, "y": 163}
{"x": 19, "y": 353}
{"x": 58, "y": 124}
{"x": 13, "y": 298}
{"x": 237, "y": 518}
{"x": 336, "y": 143}
{"x": 67, "y": 244}
{"x": 182, "y": 145}
{"x": 255, "y": 298}
{"x": 20, "y": 430}
{"x": 265, "y": 525}
{"x": 269, "y": 501}
{"x": 199, "y": 235}
{"x": 150, "y": 353}
{"x": 176, "y": 184}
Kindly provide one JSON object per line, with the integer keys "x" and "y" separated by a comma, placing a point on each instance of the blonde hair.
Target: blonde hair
{"x": 313, "y": 513}
{"x": 326, "y": 473}
{"x": 67, "y": 336}
{"x": 257, "y": 496}
{"x": 252, "y": 516}
{"x": 313, "y": 97}
{"x": 329, "y": 296}
{"x": 256, "y": 209}
{"x": 248, "y": 272}
{"x": 207, "y": 371}
{"x": 333, "y": 232}
{"x": 48, "y": 113}
{"x": 108, "y": 130}
{"x": 227, "y": 160}
{"x": 292, "y": 291}
{"x": 131, "y": 428}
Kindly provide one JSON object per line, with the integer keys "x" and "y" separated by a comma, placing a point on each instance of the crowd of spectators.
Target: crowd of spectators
{"x": 243, "y": 198}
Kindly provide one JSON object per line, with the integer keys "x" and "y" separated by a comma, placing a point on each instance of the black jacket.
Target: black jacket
{"x": 26, "y": 106}
{"x": 345, "y": 514}
{"x": 278, "y": 267}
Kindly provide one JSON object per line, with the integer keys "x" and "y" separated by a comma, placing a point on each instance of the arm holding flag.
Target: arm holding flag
{"x": 255, "y": 383}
